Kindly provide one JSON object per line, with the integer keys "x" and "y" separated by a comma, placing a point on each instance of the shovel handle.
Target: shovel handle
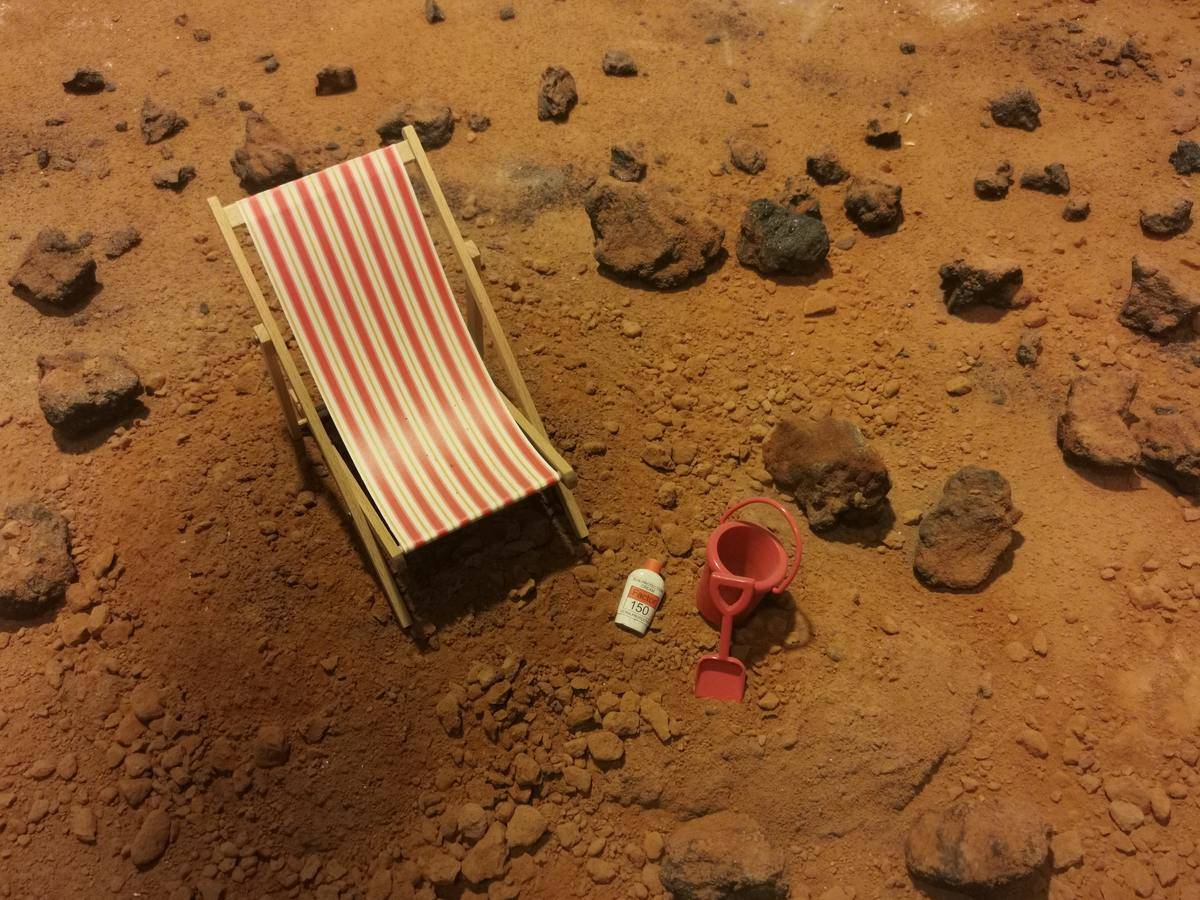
{"x": 795, "y": 566}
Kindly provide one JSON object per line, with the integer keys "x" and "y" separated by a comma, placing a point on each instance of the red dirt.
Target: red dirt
{"x": 230, "y": 581}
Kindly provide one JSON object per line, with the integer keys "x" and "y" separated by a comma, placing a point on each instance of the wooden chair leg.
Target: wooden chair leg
{"x": 383, "y": 572}
{"x": 474, "y": 313}
{"x": 271, "y": 357}
{"x": 574, "y": 513}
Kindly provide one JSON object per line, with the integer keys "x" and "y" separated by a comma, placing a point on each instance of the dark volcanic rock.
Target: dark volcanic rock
{"x": 478, "y": 122}
{"x": 433, "y": 12}
{"x": 336, "y": 80}
{"x": 650, "y": 237}
{"x": 883, "y": 134}
{"x": 122, "y": 241}
{"x": 79, "y": 392}
{"x": 85, "y": 81}
{"x": 874, "y": 206}
{"x": 1186, "y": 157}
{"x": 158, "y": 123}
{"x": 507, "y": 13}
{"x": 994, "y": 185}
{"x": 1094, "y": 427}
{"x": 775, "y": 240}
{"x": 265, "y": 160}
{"x": 829, "y": 468}
{"x": 433, "y": 121}
{"x": 1155, "y": 304}
{"x": 173, "y": 177}
{"x": 825, "y": 169}
{"x": 556, "y": 94}
{"x": 978, "y": 848}
{"x": 723, "y": 855}
{"x": 990, "y": 281}
{"x": 963, "y": 536}
{"x": 55, "y": 270}
{"x": 1016, "y": 109}
{"x": 1077, "y": 209}
{"x": 746, "y": 155}
{"x": 1052, "y": 179}
{"x": 628, "y": 162}
{"x": 1029, "y": 348}
{"x": 35, "y": 559}
{"x": 1168, "y": 222}
{"x": 1169, "y": 439}
{"x": 618, "y": 63}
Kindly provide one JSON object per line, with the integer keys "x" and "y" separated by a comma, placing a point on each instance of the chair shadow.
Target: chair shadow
{"x": 499, "y": 558}
{"x": 86, "y": 443}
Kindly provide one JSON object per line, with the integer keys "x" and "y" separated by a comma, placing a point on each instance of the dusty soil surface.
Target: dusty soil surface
{"x": 222, "y": 705}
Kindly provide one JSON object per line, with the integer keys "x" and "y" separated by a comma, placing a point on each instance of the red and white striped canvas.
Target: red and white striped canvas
{"x": 351, "y": 259}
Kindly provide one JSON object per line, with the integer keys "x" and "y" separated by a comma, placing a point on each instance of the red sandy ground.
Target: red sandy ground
{"x": 249, "y": 607}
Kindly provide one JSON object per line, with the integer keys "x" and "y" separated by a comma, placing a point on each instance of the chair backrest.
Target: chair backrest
{"x": 354, "y": 266}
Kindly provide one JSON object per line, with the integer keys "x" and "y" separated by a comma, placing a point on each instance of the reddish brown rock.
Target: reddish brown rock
{"x": 746, "y": 155}
{"x": 80, "y": 392}
{"x": 650, "y": 237}
{"x": 1169, "y": 439}
{"x": 1094, "y": 427}
{"x": 431, "y": 119}
{"x": 336, "y": 80}
{"x": 556, "y": 94}
{"x": 874, "y": 206}
{"x": 829, "y": 468}
{"x": 1167, "y": 221}
{"x": 994, "y": 282}
{"x": 265, "y": 160}
{"x": 963, "y": 536}
{"x": 151, "y": 840}
{"x": 722, "y": 855}
{"x": 1155, "y": 303}
{"x": 159, "y": 123}
{"x": 35, "y": 559}
{"x": 55, "y": 270}
{"x": 979, "y": 848}
{"x": 271, "y": 747}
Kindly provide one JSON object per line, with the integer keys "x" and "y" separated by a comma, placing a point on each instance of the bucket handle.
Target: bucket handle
{"x": 795, "y": 567}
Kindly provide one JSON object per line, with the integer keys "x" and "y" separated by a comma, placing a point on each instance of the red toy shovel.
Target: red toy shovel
{"x": 720, "y": 676}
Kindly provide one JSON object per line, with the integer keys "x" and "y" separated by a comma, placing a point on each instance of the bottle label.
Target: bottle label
{"x": 641, "y": 595}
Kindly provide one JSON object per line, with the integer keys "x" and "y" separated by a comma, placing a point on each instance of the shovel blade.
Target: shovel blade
{"x": 720, "y": 678}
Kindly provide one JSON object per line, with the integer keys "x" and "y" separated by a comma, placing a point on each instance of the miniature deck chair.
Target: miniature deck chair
{"x": 430, "y": 442}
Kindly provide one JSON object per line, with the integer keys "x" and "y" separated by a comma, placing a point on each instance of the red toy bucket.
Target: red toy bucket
{"x": 742, "y": 551}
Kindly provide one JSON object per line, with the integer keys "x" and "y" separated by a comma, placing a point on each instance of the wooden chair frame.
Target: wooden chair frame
{"x": 302, "y": 414}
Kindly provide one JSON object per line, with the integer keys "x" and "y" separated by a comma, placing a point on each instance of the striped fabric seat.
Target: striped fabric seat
{"x": 357, "y": 274}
